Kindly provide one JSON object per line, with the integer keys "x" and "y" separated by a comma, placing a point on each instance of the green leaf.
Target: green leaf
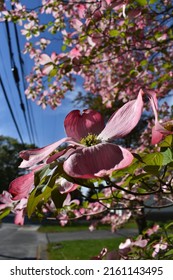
{"x": 170, "y": 225}
{"x": 5, "y": 213}
{"x": 146, "y": 2}
{"x": 53, "y": 72}
{"x": 143, "y": 62}
{"x": 41, "y": 174}
{"x": 63, "y": 48}
{"x": 98, "y": 196}
{"x": 114, "y": 33}
{"x": 43, "y": 191}
{"x": 153, "y": 159}
{"x": 35, "y": 199}
{"x": 154, "y": 84}
{"x": 167, "y": 156}
{"x": 58, "y": 198}
{"x": 170, "y": 252}
{"x": 133, "y": 73}
{"x": 136, "y": 178}
{"x": 167, "y": 142}
{"x": 152, "y": 169}
{"x": 141, "y": 190}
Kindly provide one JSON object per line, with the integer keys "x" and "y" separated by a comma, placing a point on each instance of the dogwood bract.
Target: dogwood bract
{"x": 91, "y": 152}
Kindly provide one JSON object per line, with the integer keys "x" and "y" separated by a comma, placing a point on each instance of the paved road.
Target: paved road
{"x": 20, "y": 243}
{"x": 27, "y": 243}
{"x": 82, "y": 235}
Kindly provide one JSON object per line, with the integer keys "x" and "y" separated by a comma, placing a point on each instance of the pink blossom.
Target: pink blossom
{"x": 81, "y": 10}
{"x": 15, "y": 206}
{"x": 49, "y": 62}
{"x": 30, "y": 29}
{"x": 19, "y": 211}
{"x": 63, "y": 218}
{"x": 159, "y": 130}
{"x": 68, "y": 201}
{"x": 129, "y": 243}
{"x": 91, "y": 154}
{"x": 152, "y": 230}
{"x": 159, "y": 246}
{"x": 77, "y": 24}
{"x": 6, "y": 200}
{"x": 75, "y": 53}
{"x": 65, "y": 186}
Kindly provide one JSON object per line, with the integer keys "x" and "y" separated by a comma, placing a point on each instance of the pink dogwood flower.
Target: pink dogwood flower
{"x": 15, "y": 206}
{"x": 159, "y": 130}
{"x": 49, "y": 62}
{"x": 65, "y": 186}
{"x": 98, "y": 157}
{"x": 91, "y": 153}
{"x": 129, "y": 243}
{"x": 159, "y": 246}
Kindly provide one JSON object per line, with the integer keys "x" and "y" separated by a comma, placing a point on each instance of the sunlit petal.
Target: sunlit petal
{"x": 32, "y": 157}
{"x": 97, "y": 161}
{"x": 124, "y": 120}
{"x": 79, "y": 125}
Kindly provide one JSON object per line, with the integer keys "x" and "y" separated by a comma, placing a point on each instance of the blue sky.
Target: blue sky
{"x": 47, "y": 124}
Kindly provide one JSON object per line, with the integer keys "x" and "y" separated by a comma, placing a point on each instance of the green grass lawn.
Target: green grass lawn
{"x": 81, "y": 249}
{"x": 68, "y": 228}
{"x": 76, "y": 226}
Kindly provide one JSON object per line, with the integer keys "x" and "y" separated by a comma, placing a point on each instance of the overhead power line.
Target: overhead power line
{"x": 29, "y": 110}
{"x": 17, "y": 80}
{"x": 11, "y": 111}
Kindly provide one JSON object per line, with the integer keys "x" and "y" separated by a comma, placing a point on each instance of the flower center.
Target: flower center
{"x": 90, "y": 140}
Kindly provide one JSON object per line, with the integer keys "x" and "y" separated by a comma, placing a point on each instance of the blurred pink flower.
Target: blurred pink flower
{"x": 129, "y": 243}
{"x": 159, "y": 130}
{"x": 159, "y": 246}
{"x": 49, "y": 62}
{"x": 17, "y": 207}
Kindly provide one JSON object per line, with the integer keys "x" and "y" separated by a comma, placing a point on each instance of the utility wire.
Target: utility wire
{"x": 17, "y": 80}
{"x": 29, "y": 109}
{"x": 11, "y": 111}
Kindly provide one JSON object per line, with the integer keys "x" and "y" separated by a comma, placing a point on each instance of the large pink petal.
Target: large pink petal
{"x": 32, "y": 157}
{"x": 79, "y": 125}
{"x": 124, "y": 120}
{"x": 21, "y": 186}
{"x": 97, "y": 161}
